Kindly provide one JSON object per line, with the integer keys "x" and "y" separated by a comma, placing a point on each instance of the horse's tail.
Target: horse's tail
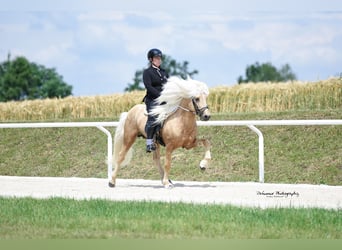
{"x": 118, "y": 141}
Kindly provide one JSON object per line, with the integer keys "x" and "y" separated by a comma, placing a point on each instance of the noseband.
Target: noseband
{"x": 199, "y": 111}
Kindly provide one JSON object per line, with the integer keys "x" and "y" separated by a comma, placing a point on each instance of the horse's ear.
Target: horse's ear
{"x": 188, "y": 77}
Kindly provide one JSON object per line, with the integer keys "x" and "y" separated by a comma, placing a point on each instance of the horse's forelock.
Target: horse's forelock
{"x": 196, "y": 88}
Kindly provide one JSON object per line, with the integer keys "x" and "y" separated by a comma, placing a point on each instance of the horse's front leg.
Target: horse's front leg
{"x": 207, "y": 156}
{"x": 167, "y": 167}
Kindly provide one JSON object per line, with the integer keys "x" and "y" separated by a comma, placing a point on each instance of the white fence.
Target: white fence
{"x": 249, "y": 123}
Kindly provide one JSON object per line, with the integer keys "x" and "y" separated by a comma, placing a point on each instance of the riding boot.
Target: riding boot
{"x": 150, "y": 146}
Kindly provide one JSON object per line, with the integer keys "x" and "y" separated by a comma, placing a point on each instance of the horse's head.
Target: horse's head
{"x": 177, "y": 90}
{"x": 201, "y": 106}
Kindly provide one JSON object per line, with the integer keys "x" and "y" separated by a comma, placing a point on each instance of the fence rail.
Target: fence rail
{"x": 249, "y": 123}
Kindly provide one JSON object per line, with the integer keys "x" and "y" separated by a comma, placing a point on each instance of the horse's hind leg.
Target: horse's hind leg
{"x": 167, "y": 166}
{"x": 117, "y": 167}
{"x": 126, "y": 146}
{"x": 207, "y": 157}
{"x": 156, "y": 159}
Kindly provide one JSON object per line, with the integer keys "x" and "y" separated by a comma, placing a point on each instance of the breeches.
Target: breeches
{"x": 149, "y": 105}
{"x": 150, "y": 124}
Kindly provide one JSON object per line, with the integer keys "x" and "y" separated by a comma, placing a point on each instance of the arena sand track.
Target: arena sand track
{"x": 244, "y": 194}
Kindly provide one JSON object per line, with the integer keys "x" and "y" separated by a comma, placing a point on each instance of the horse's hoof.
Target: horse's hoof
{"x": 169, "y": 186}
{"x": 111, "y": 184}
{"x": 203, "y": 165}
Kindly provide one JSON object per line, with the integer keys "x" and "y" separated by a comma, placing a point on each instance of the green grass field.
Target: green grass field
{"x": 57, "y": 218}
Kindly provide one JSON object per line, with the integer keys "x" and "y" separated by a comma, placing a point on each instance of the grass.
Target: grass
{"x": 293, "y": 154}
{"x": 28, "y": 218}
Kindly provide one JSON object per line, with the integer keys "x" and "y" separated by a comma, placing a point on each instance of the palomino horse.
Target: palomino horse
{"x": 181, "y": 101}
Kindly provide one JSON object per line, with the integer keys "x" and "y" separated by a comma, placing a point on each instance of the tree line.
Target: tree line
{"x": 254, "y": 73}
{"x": 24, "y": 80}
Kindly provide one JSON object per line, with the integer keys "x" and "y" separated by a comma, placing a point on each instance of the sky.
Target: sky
{"x": 97, "y": 46}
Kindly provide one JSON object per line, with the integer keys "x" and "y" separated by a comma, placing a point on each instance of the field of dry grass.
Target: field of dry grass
{"x": 260, "y": 97}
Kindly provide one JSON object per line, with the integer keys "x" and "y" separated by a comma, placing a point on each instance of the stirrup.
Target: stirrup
{"x": 150, "y": 148}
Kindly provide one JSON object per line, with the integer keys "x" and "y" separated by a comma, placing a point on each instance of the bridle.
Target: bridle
{"x": 198, "y": 111}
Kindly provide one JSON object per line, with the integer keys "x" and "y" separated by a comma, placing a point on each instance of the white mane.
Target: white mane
{"x": 173, "y": 92}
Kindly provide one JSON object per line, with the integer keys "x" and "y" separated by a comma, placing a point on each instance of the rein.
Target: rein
{"x": 188, "y": 110}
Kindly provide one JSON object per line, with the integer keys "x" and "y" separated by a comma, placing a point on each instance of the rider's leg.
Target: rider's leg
{"x": 150, "y": 127}
{"x": 150, "y": 130}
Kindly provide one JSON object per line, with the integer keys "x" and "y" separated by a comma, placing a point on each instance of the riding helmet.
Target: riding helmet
{"x": 154, "y": 52}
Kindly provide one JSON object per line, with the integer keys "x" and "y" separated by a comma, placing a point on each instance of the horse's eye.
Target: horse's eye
{"x": 197, "y": 99}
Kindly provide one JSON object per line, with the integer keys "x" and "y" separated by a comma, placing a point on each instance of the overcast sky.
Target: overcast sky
{"x": 98, "y": 45}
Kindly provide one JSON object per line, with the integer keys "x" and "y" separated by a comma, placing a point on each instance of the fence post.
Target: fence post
{"x": 261, "y": 152}
{"x": 109, "y": 151}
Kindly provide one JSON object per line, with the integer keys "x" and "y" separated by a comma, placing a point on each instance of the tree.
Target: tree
{"x": 173, "y": 67}
{"x": 21, "y": 80}
{"x": 177, "y": 69}
{"x": 136, "y": 82}
{"x": 286, "y": 73}
{"x": 267, "y": 72}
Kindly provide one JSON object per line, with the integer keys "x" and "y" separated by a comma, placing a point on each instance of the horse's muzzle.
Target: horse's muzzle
{"x": 204, "y": 117}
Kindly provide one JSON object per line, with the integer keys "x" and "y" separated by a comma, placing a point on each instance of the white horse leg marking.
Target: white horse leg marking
{"x": 207, "y": 157}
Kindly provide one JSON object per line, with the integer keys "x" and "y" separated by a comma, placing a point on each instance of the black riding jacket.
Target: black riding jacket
{"x": 154, "y": 78}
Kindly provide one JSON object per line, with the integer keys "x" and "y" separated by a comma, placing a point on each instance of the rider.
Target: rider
{"x": 154, "y": 78}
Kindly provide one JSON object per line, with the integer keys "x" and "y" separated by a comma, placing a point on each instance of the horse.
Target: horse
{"x": 177, "y": 106}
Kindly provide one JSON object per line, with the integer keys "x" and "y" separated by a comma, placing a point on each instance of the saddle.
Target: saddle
{"x": 157, "y": 135}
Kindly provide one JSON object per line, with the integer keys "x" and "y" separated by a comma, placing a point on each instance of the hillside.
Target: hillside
{"x": 293, "y": 154}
